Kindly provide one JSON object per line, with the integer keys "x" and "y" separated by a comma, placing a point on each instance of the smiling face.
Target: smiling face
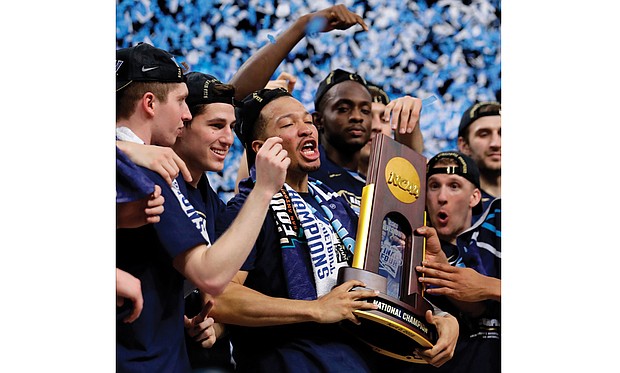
{"x": 204, "y": 144}
{"x": 287, "y": 118}
{"x": 449, "y": 202}
{"x": 169, "y": 116}
{"x": 346, "y": 116}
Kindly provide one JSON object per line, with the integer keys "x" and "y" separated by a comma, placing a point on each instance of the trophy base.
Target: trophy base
{"x": 396, "y": 328}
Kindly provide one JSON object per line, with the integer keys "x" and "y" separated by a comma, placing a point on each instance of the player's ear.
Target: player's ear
{"x": 463, "y": 146}
{"x": 317, "y": 119}
{"x": 256, "y": 145}
{"x": 476, "y": 196}
{"x": 147, "y": 102}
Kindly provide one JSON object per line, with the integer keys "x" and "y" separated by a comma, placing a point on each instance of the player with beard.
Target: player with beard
{"x": 480, "y": 137}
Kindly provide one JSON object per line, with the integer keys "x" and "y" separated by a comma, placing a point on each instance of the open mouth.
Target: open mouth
{"x": 309, "y": 149}
{"x": 442, "y": 217}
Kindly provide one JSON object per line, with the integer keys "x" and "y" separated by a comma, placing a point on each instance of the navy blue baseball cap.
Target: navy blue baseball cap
{"x": 479, "y": 110}
{"x": 247, "y": 113}
{"x": 333, "y": 78}
{"x": 145, "y": 63}
{"x": 202, "y": 90}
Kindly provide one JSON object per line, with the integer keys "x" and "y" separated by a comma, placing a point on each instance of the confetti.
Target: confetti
{"x": 446, "y": 51}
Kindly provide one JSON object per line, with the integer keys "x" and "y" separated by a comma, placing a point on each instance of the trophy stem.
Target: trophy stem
{"x": 359, "y": 255}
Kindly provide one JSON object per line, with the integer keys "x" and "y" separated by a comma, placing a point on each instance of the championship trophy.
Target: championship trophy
{"x": 386, "y": 253}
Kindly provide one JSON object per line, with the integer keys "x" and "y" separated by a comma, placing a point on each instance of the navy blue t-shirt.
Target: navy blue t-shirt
{"x": 301, "y": 347}
{"x": 208, "y": 204}
{"x": 155, "y": 341}
{"x": 341, "y": 180}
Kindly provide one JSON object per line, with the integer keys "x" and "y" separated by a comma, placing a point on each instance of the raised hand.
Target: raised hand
{"x": 337, "y": 17}
{"x": 272, "y": 161}
{"x": 404, "y": 112}
{"x": 284, "y": 80}
{"x": 201, "y": 327}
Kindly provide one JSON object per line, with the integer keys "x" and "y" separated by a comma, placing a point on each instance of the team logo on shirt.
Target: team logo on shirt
{"x": 189, "y": 210}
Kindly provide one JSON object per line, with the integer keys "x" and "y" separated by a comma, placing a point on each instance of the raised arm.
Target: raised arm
{"x": 212, "y": 268}
{"x": 256, "y": 71}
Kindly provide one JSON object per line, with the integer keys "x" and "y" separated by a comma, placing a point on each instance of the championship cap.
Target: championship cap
{"x": 378, "y": 94}
{"x": 247, "y": 113}
{"x": 202, "y": 90}
{"x": 479, "y": 110}
{"x": 333, "y": 78}
{"x": 145, "y": 63}
{"x": 466, "y": 168}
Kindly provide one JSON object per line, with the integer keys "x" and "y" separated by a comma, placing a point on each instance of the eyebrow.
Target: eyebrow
{"x": 348, "y": 101}
{"x": 218, "y": 119}
{"x": 291, "y": 115}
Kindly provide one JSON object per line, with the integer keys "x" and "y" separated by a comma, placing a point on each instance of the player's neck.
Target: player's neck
{"x": 342, "y": 157}
{"x": 297, "y": 181}
{"x": 141, "y": 129}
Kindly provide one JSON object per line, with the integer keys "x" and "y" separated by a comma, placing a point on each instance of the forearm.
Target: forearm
{"x": 129, "y": 148}
{"x": 213, "y": 268}
{"x": 257, "y": 70}
{"x": 494, "y": 289}
{"x": 489, "y": 289}
{"x": 241, "y": 305}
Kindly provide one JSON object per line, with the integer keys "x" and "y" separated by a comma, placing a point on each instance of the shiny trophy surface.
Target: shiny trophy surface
{"x": 387, "y": 252}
